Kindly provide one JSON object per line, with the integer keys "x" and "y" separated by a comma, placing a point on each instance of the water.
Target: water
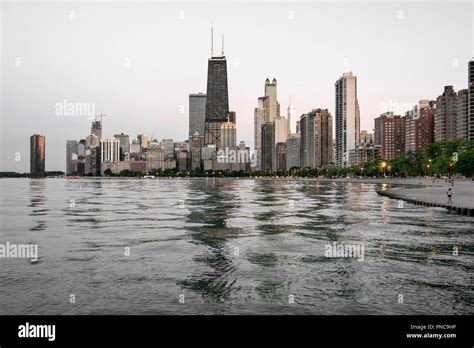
{"x": 183, "y": 237}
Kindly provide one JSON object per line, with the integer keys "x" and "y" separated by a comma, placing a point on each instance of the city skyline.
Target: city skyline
{"x": 58, "y": 129}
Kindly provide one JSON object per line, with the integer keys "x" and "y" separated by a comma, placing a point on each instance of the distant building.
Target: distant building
{"x": 110, "y": 150}
{"x": 92, "y": 140}
{"x": 37, "y": 155}
{"x": 154, "y": 159}
{"x": 280, "y": 150}
{"x": 228, "y": 137}
{"x": 233, "y": 117}
{"x": 364, "y": 153}
{"x": 446, "y": 117}
{"x": 260, "y": 113}
{"x": 471, "y": 99}
{"x": 462, "y": 114}
{"x": 135, "y": 146}
{"x": 124, "y": 145}
{"x": 143, "y": 141}
{"x": 196, "y": 144}
{"x": 72, "y": 150}
{"x": 366, "y": 137}
{"x": 290, "y": 115}
{"x": 96, "y": 129}
{"x": 272, "y": 105}
{"x": 197, "y": 113}
{"x": 347, "y": 118}
{"x": 167, "y": 145}
{"x": 316, "y": 139}
{"x": 293, "y": 152}
{"x": 392, "y": 135}
{"x": 419, "y": 126}
{"x": 268, "y": 146}
{"x": 217, "y": 99}
{"x": 183, "y": 160}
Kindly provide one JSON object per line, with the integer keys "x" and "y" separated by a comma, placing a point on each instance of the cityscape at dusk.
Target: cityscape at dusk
{"x": 170, "y": 167}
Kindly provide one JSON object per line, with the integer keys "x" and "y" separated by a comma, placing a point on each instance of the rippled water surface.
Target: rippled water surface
{"x": 229, "y": 246}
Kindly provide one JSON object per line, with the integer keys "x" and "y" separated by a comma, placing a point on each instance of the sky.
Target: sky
{"x": 137, "y": 61}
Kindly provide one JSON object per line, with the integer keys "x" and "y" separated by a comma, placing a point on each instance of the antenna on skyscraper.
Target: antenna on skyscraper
{"x": 222, "y": 44}
{"x": 212, "y": 41}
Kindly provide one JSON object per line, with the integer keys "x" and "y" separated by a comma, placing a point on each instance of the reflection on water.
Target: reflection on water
{"x": 231, "y": 246}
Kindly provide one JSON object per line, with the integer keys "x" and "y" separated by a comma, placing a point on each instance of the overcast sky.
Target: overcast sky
{"x": 137, "y": 62}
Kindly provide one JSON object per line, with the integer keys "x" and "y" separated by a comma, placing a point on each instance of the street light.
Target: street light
{"x": 383, "y": 167}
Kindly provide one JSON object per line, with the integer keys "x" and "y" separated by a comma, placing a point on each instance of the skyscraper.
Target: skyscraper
{"x": 290, "y": 114}
{"x": 259, "y": 120}
{"x": 462, "y": 114}
{"x": 266, "y": 111}
{"x": 197, "y": 142}
{"x": 316, "y": 139}
{"x": 272, "y": 101}
{"x": 124, "y": 144}
{"x": 96, "y": 129}
{"x": 217, "y": 100}
{"x": 347, "y": 118}
{"x": 471, "y": 99}
{"x": 293, "y": 152}
{"x": 37, "y": 155}
{"x": 392, "y": 135}
{"x": 419, "y": 126}
{"x": 72, "y": 150}
{"x": 143, "y": 141}
{"x": 110, "y": 150}
{"x": 446, "y": 118}
{"x": 268, "y": 146}
{"x": 197, "y": 113}
{"x": 228, "y": 138}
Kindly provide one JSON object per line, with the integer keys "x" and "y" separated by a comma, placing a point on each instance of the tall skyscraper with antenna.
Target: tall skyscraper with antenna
{"x": 291, "y": 117}
{"x": 217, "y": 100}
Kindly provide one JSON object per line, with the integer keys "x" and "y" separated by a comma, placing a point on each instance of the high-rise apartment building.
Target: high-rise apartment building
{"x": 392, "y": 135}
{"x": 446, "y": 117}
{"x": 347, "y": 118}
{"x": 37, "y": 155}
{"x": 419, "y": 126}
{"x": 462, "y": 114}
{"x": 471, "y": 99}
{"x": 316, "y": 139}
{"x": 197, "y": 113}
{"x": 143, "y": 141}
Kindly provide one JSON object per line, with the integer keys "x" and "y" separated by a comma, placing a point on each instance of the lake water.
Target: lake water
{"x": 228, "y": 246}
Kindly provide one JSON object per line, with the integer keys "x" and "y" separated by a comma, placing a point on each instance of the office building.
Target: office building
{"x": 37, "y": 155}
{"x": 293, "y": 152}
{"x": 197, "y": 113}
{"x": 268, "y": 146}
{"x": 110, "y": 150}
